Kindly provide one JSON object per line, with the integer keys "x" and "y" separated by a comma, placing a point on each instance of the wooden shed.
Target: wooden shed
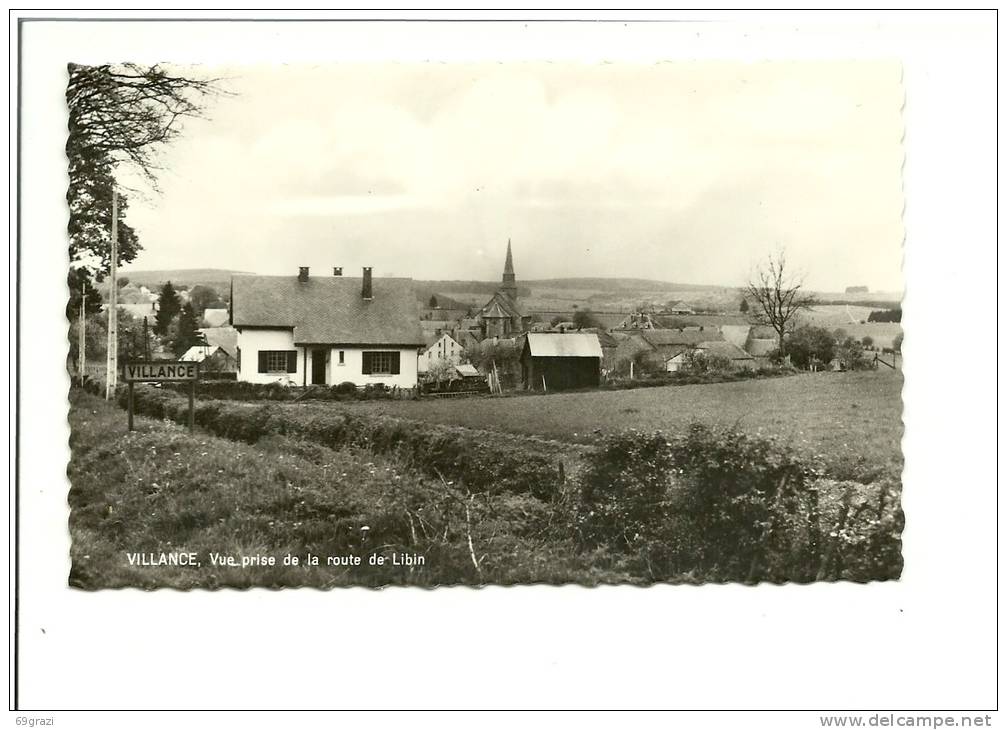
{"x": 555, "y": 361}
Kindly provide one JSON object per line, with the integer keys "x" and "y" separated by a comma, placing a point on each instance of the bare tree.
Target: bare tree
{"x": 777, "y": 296}
{"x": 119, "y": 114}
{"x": 126, "y": 112}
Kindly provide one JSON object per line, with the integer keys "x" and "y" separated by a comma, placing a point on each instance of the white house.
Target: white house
{"x": 214, "y": 358}
{"x": 444, "y": 349}
{"x": 326, "y": 330}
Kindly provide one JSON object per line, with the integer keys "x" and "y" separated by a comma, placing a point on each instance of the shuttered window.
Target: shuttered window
{"x": 277, "y": 361}
{"x": 380, "y": 363}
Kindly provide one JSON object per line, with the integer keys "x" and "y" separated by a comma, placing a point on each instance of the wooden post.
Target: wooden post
{"x": 111, "y": 360}
{"x": 543, "y": 383}
{"x": 192, "y": 406}
{"x": 630, "y": 369}
{"x": 130, "y": 405}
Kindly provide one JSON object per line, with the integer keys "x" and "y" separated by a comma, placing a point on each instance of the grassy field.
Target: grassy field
{"x": 845, "y": 419}
{"x": 244, "y": 511}
{"x": 161, "y": 489}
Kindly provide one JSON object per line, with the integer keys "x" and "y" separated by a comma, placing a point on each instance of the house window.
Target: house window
{"x": 342, "y": 357}
{"x": 380, "y": 363}
{"x": 277, "y": 361}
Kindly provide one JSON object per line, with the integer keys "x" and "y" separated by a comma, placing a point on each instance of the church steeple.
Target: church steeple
{"x": 509, "y": 286}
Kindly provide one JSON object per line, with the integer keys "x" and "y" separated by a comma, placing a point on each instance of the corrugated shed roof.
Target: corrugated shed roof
{"x": 324, "y": 310}
{"x": 724, "y": 349}
{"x": 575, "y": 344}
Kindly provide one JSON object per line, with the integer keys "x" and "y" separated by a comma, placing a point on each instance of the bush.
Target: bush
{"x": 243, "y": 391}
{"x": 490, "y": 462}
{"x": 718, "y": 504}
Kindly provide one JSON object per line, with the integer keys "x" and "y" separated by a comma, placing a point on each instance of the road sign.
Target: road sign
{"x": 162, "y": 371}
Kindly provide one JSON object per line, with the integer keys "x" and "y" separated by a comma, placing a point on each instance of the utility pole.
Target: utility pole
{"x": 81, "y": 338}
{"x": 146, "y": 341}
{"x": 112, "y": 364}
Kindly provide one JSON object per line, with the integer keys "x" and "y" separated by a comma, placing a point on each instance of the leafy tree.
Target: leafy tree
{"x": 185, "y": 333}
{"x": 808, "y": 343}
{"x": 584, "y": 318}
{"x": 432, "y": 304}
{"x": 867, "y": 341}
{"x": 89, "y": 197}
{"x": 441, "y": 371}
{"x": 128, "y": 112}
{"x": 121, "y": 113}
{"x": 697, "y": 361}
{"x": 168, "y": 306}
{"x": 778, "y": 297}
{"x": 897, "y": 342}
{"x": 850, "y": 353}
{"x": 743, "y": 307}
{"x": 203, "y": 297}
{"x": 130, "y": 335}
{"x": 79, "y": 282}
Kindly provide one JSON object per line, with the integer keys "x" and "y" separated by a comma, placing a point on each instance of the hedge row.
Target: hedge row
{"x": 483, "y": 461}
{"x": 243, "y": 391}
{"x": 682, "y": 377}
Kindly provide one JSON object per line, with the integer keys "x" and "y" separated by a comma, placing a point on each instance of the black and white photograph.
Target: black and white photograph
{"x": 504, "y": 360}
{"x": 435, "y": 324}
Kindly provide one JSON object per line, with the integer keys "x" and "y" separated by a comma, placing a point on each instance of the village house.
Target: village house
{"x": 664, "y": 347}
{"x": 211, "y": 359}
{"x": 739, "y": 359}
{"x": 325, "y": 330}
{"x": 552, "y": 361}
{"x": 226, "y": 338}
{"x": 679, "y": 308}
{"x": 443, "y": 349}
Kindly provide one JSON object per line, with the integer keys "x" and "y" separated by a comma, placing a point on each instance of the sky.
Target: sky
{"x": 684, "y": 172}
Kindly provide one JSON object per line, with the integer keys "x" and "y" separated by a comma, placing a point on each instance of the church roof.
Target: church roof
{"x": 500, "y": 306}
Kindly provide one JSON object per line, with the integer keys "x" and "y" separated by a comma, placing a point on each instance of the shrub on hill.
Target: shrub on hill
{"x": 718, "y": 504}
{"x": 491, "y": 462}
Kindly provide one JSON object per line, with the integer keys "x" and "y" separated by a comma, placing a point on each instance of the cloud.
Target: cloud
{"x": 681, "y": 169}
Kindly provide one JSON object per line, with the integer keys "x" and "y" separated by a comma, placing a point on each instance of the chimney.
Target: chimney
{"x": 337, "y": 270}
{"x": 302, "y": 275}
{"x": 368, "y": 290}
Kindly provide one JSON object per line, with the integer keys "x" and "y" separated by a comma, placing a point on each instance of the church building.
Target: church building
{"x": 501, "y": 316}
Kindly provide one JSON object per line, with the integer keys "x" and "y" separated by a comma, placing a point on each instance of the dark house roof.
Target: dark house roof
{"x": 604, "y": 338}
{"x": 663, "y": 338}
{"x": 329, "y": 309}
{"x": 724, "y": 349}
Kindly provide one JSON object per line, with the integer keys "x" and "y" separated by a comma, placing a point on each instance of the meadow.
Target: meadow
{"x": 706, "y": 505}
{"x": 851, "y": 421}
